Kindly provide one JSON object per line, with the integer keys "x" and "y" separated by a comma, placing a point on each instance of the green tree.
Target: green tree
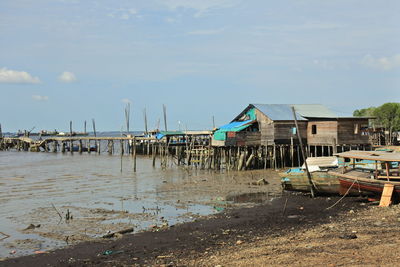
{"x": 388, "y": 115}
{"x": 365, "y": 112}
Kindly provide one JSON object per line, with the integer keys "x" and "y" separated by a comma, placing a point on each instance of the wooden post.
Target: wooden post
{"x": 154, "y": 151}
{"x": 80, "y": 146}
{"x": 55, "y": 146}
{"x": 134, "y": 154}
{"x": 71, "y": 146}
{"x": 94, "y": 127}
{"x": 303, "y": 154}
{"x": 387, "y": 170}
{"x": 298, "y": 156}
{"x": 334, "y": 146}
{"x": 291, "y": 151}
{"x": 145, "y": 122}
{"x": 88, "y": 146}
{"x": 165, "y": 117}
{"x": 241, "y": 159}
{"x": 109, "y": 147}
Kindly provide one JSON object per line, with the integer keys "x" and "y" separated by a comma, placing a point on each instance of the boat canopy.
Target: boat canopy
{"x": 382, "y": 156}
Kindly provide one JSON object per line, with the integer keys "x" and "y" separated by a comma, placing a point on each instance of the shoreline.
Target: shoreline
{"x": 191, "y": 241}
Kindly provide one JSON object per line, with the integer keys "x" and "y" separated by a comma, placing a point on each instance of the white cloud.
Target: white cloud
{"x": 201, "y": 7}
{"x": 67, "y": 77}
{"x": 170, "y": 20}
{"x": 206, "y": 32}
{"x": 14, "y": 76}
{"x": 133, "y": 11}
{"x": 382, "y": 63}
{"x": 125, "y": 16}
{"x": 124, "y": 13}
{"x": 40, "y": 97}
{"x": 126, "y": 101}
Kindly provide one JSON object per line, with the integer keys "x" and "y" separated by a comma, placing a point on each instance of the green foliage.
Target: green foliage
{"x": 365, "y": 112}
{"x": 387, "y": 115}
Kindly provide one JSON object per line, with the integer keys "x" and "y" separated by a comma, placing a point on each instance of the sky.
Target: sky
{"x": 74, "y": 60}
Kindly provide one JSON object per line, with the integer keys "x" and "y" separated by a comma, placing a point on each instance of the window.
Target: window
{"x": 314, "y": 129}
{"x": 356, "y": 128}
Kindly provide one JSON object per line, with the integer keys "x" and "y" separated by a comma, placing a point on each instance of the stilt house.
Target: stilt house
{"x": 268, "y": 124}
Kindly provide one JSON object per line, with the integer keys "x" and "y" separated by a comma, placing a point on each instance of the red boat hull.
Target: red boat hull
{"x": 367, "y": 187}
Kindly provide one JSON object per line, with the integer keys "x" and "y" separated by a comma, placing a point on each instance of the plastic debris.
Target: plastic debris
{"x": 112, "y": 252}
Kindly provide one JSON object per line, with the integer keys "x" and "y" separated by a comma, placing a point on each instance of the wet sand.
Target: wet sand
{"x": 220, "y": 239}
{"x": 38, "y": 190}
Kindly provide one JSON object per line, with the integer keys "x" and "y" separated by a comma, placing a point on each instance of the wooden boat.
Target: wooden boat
{"x": 295, "y": 179}
{"x": 365, "y": 179}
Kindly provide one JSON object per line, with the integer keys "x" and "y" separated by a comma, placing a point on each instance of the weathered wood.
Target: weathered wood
{"x": 134, "y": 154}
{"x": 303, "y": 154}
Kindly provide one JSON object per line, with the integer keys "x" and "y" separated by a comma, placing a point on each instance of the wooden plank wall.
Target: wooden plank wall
{"x": 248, "y": 138}
{"x": 266, "y": 126}
{"x": 283, "y": 131}
{"x": 346, "y": 132}
{"x": 326, "y": 132}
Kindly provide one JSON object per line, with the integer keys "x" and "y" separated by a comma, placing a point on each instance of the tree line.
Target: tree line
{"x": 386, "y": 116}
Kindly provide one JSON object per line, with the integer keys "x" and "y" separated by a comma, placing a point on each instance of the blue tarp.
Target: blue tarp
{"x": 235, "y": 126}
{"x": 232, "y": 125}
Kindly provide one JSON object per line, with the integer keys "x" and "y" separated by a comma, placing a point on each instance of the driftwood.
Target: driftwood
{"x": 124, "y": 231}
{"x": 5, "y": 236}
{"x": 59, "y": 214}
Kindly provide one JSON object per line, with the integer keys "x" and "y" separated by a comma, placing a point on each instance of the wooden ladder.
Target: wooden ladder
{"x": 386, "y": 198}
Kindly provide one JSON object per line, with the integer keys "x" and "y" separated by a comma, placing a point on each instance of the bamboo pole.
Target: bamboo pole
{"x": 71, "y": 142}
{"x": 165, "y": 117}
{"x": 303, "y": 154}
{"x": 134, "y": 154}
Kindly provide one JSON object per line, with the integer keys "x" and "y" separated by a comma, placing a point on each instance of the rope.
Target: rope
{"x": 345, "y": 194}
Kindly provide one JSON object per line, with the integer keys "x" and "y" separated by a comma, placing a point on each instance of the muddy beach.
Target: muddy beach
{"x": 51, "y": 201}
{"x": 290, "y": 230}
{"x": 182, "y": 217}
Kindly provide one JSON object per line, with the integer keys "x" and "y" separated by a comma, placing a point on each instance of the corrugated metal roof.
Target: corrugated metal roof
{"x": 314, "y": 111}
{"x": 278, "y": 112}
{"x": 303, "y": 111}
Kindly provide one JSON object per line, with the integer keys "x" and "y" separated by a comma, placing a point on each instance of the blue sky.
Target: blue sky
{"x": 65, "y": 60}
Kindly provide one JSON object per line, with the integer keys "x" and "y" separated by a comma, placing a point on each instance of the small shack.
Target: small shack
{"x": 273, "y": 124}
{"x": 262, "y": 125}
{"x": 337, "y": 131}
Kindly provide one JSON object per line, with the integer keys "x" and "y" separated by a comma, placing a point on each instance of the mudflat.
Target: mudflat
{"x": 290, "y": 230}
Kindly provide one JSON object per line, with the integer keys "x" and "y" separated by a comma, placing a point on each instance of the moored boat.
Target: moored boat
{"x": 296, "y": 179}
{"x": 366, "y": 179}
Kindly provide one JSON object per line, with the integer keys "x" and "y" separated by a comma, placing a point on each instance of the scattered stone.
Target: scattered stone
{"x": 348, "y": 236}
{"x": 239, "y": 242}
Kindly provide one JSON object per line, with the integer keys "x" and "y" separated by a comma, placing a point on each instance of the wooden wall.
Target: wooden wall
{"x": 326, "y": 132}
{"x": 279, "y": 132}
{"x": 346, "y": 133}
{"x": 283, "y": 131}
{"x": 266, "y": 126}
{"x": 243, "y": 138}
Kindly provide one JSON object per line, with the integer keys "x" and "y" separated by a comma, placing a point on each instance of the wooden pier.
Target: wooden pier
{"x": 189, "y": 150}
